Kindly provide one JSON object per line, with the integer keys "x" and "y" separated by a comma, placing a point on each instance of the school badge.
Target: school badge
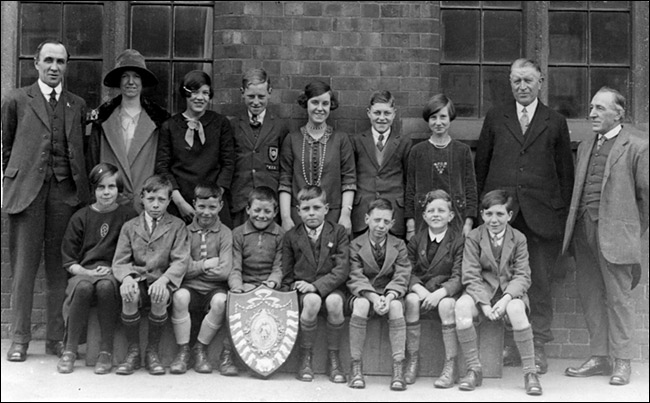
{"x": 273, "y": 154}
{"x": 264, "y": 327}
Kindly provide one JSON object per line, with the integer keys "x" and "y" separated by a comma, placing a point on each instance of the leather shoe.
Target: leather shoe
{"x": 470, "y": 381}
{"x": 132, "y": 362}
{"x": 54, "y": 347}
{"x": 17, "y": 352}
{"x": 397, "y": 382}
{"x": 227, "y": 366}
{"x": 511, "y": 357}
{"x": 357, "y": 380}
{"x": 411, "y": 368}
{"x": 531, "y": 382}
{"x": 104, "y": 363}
{"x": 66, "y": 362}
{"x": 596, "y": 365}
{"x": 305, "y": 371}
{"x": 153, "y": 364}
{"x": 334, "y": 370}
{"x": 621, "y": 374}
{"x": 540, "y": 359}
{"x": 202, "y": 364}
{"x": 182, "y": 360}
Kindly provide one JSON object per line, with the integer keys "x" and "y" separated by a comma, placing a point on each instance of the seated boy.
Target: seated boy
{"x": 496, "y": 276}
{"x": 315, "y": 262}
{"x": 436, "y": 254}
{"x": 150, "y": 261}
{"x": 205, "y": 286}
{"x": 257, "y": 244}
{"x": 379, "y": 277}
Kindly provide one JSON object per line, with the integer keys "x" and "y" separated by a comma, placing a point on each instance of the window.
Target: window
{"x": 479, "y": 41}
{"x": 175, "y": 37}
{"x": 75, "y": 24}
{"x": 589, "y": 46}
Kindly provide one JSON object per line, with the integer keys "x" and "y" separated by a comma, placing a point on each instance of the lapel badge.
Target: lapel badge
{"x": 330, "y": 245}
{"x": 273, "y": 153}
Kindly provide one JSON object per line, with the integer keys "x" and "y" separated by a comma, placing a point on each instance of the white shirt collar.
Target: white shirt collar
{"x": 499, "y": 236}
{"x": 375, "y": 135}
{"x": 380, "y": 243}
{"x": 149, "y": 219}
{"x": 530, "y": 109}
{"x": 437, "y": 237}
{"x": 613, "y": 133}
{"x": 318, "y": 230}
{"x": 260, "y": 117}
{"x": 47, "y": 90}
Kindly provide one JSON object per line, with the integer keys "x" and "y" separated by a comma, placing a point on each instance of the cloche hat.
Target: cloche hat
{"x": 132, "y": 60}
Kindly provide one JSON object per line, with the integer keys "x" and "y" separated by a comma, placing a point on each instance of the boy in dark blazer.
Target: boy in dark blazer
{"x": 379, "y": 276}
{"x": 315, "y": 262}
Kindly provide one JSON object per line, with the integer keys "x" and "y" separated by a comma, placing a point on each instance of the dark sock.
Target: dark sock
{"x": 524, "y": 340}
{"x": 107, "y": 309}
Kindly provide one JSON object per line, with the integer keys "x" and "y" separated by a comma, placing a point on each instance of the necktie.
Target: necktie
{"x": 601, "y": 140}
{"x": 380, "y": 142}
{"x": 204, "y": 245}
{"x": 53, "y": 99}
{"x": 194, "y": 127}
{"x": 524, "y": 120}
{"x": 378, "y": 251}
{"x": 313, "y": 236}
{"x": 154, "y": 224}
{"x": 254, "y": 122}
{"x": 496, "y": 240}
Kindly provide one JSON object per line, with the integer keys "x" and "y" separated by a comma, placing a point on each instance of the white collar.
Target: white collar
{"x": 46, "y": 90}
{"x": 437, "y": 237}
{"x": 613, "y": 133}
{"x": 374, "y": 243}
{"x": 375, "y": 134}
{"x": 530, "y": 109}
{"x": 260, "y": 117}
{"x": 149, "y": 219}
{"x": 318, "y": 230}
{"x": 498, "y": 236}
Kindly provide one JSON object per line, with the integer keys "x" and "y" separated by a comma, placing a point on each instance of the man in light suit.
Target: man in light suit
{"x": 529, "y": 155}
{"x": 608, "y": 216}
{"x": 45, "y": 182}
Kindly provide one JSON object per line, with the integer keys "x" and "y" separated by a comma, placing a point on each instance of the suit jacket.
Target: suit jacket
{"x": 445, "y": 268}
{"x": 26, "y": 139}
{"x": 166, "y": 252}
{"x": 366, "y": 275}
{"x": 257, "y": 162}
{"x": 481, "y": 274}
{"x": 535, "y": 168}
{"x": 333, "y": 266}
{"x": 623, "y": 213}
{"x": 387, "y": 180}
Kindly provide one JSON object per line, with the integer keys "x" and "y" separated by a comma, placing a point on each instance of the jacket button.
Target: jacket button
{"x": 253, "y": 171}
{"x": 522, "y": 152}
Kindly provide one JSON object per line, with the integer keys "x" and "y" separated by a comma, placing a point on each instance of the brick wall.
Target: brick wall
{"x": 357, "y": 48}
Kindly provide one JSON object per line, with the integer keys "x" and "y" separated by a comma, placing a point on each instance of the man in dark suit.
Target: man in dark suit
{"x": 45, "y": 181}
{"x": 608, "y": 216}
{"x": 524, "y": 148}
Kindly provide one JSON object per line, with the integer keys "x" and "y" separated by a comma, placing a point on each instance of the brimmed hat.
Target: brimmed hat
{"x": 132, "y": 60}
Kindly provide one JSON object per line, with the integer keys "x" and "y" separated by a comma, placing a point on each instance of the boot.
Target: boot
{"x": 448, "y": 375}
{"x": 152, "y": 362}
{"x": 397, "y": 382}
{"x": 132, "y": 361}
{"x": 201, "y": 362}
{"x": 412, "y": 368}
{"x": 182, "y": 360}
{"x": 226, "y": 365}
{"x": 305, "y": 371}
{"x": 357, "y": 380}
{"x": 470, "y": 381}
{"x": 334, "y": 370}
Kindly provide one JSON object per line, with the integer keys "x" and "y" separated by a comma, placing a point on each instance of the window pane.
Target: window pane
{"x": 150, "y": 30}
{"x": 621, "y": 5}
{"x": 82, "y": 23}
{"x": 460, "y": 4}
{"x": 567, "y": 37}
{"x": 567, "y": 88}
{"x": 460, "y": 84}
{"x": 160, "y": 93}
{"x": 568, "y": 4}
{"x": 38, "y": 22}
{"x": 27, "y": 74}
{"x": 460, "y": 36}
{"x": 180, "y": 69}
{"x": 84, "y": 78}
{"x": 613, "y": 78}
{"x": 502, "y": 36}
{"x": 610, "y": 38}
{"x": 193, "y": 32}
{"x": 496, "y": 87}
{"x": 503, "y": 4}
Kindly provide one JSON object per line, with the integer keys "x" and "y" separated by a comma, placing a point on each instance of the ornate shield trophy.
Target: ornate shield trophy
{"x": 264, "y": 327}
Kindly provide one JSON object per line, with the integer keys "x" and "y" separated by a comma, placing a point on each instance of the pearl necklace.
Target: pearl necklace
{"x": 322, "y": 157}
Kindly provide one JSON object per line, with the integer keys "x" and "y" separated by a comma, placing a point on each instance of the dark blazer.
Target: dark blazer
{"x": 623, "y": 212}
{"x": 536, "y": 168}
{"x": 25, "y": 138}
{"x": 298, "y": 262}
{"x": 366, "y": 275}
{"x": 482, "y": 276}
{"x": 387, "y": 180}
{"x": 445, "y": 268}
{"x": 257, "y": 162}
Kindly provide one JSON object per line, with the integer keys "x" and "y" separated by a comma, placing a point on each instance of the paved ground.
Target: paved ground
{"x": 37, "y": 380}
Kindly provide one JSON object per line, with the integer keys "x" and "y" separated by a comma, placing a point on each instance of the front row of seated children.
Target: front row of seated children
{"x": 161, "y": 262}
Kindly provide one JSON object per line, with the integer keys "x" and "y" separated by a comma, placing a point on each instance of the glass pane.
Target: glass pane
{"x": 160, "y": 93}
{"x": 567, "y": 37}
{"x": 567, "y": 91}
{"x": 460, "y": 84}
{"x": 460, "y": 3}
{"x": 613, "y": 78}
{"x": 27, "y": 74}
{"x": 460, "y": 36}
{"x": 503, "y": 4}
{"x": 619, "y": 5}
{"x": 180, "y": 69}
{"x": 150, "y": 30}
{"x": 568, "y": 4}
{"x": 84, "y": 78}
{"x": 610, "y": 38}
{"x": 193, "y": 32}
{"x": 496, "y": 87}
{"x": 502, "y": 36}
{"x": 38, "y": 22}
{"x": 82, "y": 23}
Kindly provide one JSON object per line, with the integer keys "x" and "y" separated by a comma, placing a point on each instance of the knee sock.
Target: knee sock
{"x": 467, "y": 339}
{"x": 357, "y": 336}
{"x": 132, "y": 328}
{"x": 308, "y": 333}
{"x": 156, "y": 324}
{"x": 450, "y": 341}
{"x": 397, "y": 336}
{"x": 208, "y": 331}
{"x": 334, "y": 335}
{"x": 78, "y": 315}
{"x": 413, "y": 332}
{"x": 524, "y": 340}
{"x": 182, "y": 327}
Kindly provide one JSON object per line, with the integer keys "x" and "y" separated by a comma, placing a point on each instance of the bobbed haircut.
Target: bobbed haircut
{"x": 103, "y": 170}
{"x": 263, "y": 193}
{"x": 206, "y": 190}
{"x": 496, "y": 197}
{"x": 381, "y": 204}
{"x": 194, "y": 80}
{"x": 435, "y": 104}
{"x": 311, "y": 192}
{"x": 316, "y": 89}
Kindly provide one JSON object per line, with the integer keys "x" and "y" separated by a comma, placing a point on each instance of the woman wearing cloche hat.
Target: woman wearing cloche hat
{"x": 125, "y": 129}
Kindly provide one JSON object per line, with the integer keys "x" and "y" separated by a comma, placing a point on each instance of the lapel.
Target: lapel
{"x": 369, "y": 144}
{"x": 366, "y": 254}
{"x": 486, "y": 246}
{"x": 326, "y": 243}
{"x": 583, "y": 157}
{"x": 143, "y": 131}
{"x": 245, "y": 127}
{"x": 512, "y": 122}
{"x": 267, "y": 127}
{"x": 68, "y": 113}
{"x": 538, "y": 125}
{"x": 619, "y": 147}
{"x": 304, "y": 244}
{"x": 141, "y": 228}
{"x": 38, "y": 103}
{"x": 442, "y": 249}
{"x": 113, "y": 135}
{"x": 391, "y": 146}
{"x": 508, "y": 244}
{"x": 391, "y": 254}
{"x": 162, "y": 228}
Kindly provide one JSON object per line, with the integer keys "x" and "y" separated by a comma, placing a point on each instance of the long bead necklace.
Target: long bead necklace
{"x": 322, "y": 157}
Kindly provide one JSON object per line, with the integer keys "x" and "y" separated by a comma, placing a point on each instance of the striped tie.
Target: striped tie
{"x": 204, "y": 246}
